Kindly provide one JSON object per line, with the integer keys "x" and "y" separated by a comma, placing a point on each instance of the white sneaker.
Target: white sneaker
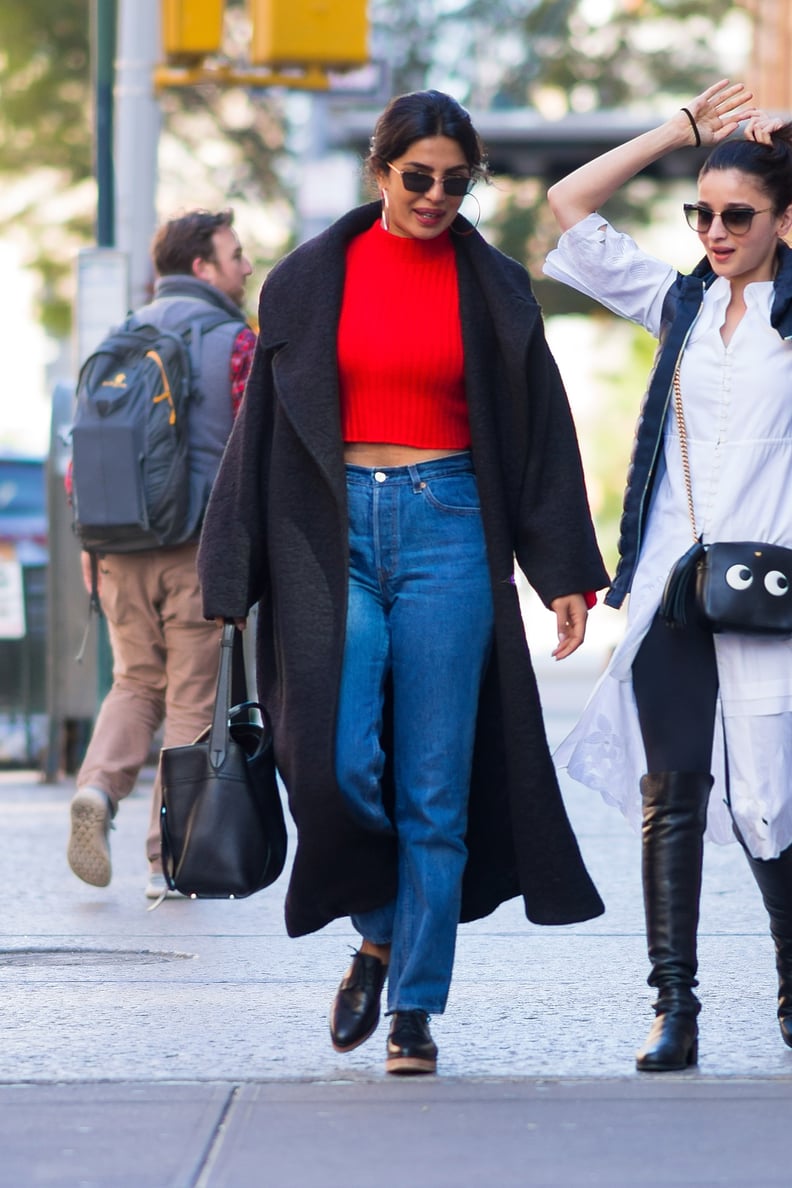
{"x": 157, "y": 888}
{"x": 89, "y": 849}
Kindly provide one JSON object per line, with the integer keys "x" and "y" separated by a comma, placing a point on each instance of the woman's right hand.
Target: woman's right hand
{"x": 240, "y": 623}
{"x": 719, "y": 110}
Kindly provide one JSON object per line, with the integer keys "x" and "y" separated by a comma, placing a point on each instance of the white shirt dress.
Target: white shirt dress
{"x": 738, "y": 414}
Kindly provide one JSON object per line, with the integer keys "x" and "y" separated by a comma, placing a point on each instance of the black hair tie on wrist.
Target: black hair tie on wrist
{"x": 693, "y": 125}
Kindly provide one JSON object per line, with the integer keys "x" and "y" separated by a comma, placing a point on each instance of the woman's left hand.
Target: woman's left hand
{"x": 761, "y": 127}
{"x": 87, "y": 575}
{"x": 720, "y": 109}
{"x": 571, "y": 614}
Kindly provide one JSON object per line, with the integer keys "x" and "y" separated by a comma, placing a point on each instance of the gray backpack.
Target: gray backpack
{"x": 130, "y": 442}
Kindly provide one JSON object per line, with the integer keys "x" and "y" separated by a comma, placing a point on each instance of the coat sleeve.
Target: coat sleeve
{"x": 556, "y": 546}
{"x": 232, "y": 556}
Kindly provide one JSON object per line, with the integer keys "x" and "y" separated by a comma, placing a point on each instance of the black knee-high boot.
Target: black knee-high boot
{"x": 774, "y": 879}
{"x": 674, "y": 820}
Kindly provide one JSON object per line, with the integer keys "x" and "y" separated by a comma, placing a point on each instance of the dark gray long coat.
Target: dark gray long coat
{"x": 276, "y": 534}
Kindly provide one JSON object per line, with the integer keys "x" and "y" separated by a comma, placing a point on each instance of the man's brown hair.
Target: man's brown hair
{"x": 186, "y": 238}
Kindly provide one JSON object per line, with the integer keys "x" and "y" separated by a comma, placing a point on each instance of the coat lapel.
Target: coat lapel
{"x": 498, "y": 320}
{"x": 298, "y": 318}
{"x": 489, "y": 295}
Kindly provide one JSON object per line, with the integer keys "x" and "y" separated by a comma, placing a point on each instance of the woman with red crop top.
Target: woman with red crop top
{"x": 405, "y": 436}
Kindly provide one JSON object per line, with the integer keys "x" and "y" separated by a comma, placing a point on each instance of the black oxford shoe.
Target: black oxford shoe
{"x": 411, "y": 1048}
{"x": 785, "y": 1023}
{"x": 356, "y": 1007}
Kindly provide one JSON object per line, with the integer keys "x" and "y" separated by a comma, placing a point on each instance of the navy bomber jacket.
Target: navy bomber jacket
{"x": 680, "y": 309}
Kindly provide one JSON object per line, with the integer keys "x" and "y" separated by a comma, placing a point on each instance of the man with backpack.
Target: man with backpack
{"x": 155, "y": 405}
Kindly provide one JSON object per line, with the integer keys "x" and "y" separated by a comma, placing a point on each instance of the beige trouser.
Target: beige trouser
{"x": 165, "y": 658}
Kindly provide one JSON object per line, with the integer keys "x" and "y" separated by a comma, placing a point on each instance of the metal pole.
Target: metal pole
{"x": 68, "y": 697}
{"x": 137, "y": 138}
{"x": 328, "y": 180}
{"x": 104, "y": 47}
{"x": 106, "y": 18}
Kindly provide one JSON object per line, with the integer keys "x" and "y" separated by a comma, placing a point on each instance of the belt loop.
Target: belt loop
{"x": 415, "y": 477}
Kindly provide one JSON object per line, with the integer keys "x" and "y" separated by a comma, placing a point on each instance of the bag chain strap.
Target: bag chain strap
{"x": 683, "y": 446}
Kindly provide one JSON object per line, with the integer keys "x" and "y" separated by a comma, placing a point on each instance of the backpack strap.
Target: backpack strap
{"x": 94, "y": 605}
{"x": 194, "y": 337}
{"x": 191, "y": 329}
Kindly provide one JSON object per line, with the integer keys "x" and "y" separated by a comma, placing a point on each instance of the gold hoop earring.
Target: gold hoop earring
{"x": 384, "y": 213}
{"x": 471, "y": 226}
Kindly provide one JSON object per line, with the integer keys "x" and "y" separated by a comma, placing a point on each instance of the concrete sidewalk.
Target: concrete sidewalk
{"x": 447, "y": 1134}
{"x": 187, "y": 1046}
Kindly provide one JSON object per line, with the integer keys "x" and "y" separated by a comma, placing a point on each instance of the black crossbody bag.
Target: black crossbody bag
{"x": 735, "y": 586}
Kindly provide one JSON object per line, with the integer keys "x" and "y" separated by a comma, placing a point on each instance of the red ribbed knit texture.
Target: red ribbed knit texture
{"x": 400, "y": 360}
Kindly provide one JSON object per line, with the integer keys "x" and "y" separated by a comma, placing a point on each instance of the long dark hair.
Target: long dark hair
{"x": 770, "y": 165}
{"x": 420, "y": 114}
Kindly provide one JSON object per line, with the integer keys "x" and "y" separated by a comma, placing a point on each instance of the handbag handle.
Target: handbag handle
{"x": 219, "y": 733}
{"x": 683, "y": 446}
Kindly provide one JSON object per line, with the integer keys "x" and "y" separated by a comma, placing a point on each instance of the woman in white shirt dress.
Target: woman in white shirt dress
{"x": 680, "y": 710}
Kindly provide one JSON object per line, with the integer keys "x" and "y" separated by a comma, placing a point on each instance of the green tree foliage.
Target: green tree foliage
{"x": 592, "y": 53}
{"x": 44, "y": 79}
{"x": 607, "y": 440}
{"x": 610, "y": 55}
{"x": 45, "y": 137}
{"x": 47, "y": 142}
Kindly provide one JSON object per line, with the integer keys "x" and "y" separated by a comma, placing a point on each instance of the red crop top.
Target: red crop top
{"x": 400, "y": 358}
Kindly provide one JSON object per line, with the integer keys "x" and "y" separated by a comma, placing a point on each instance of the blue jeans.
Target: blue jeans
{"x": 420, "y": 610}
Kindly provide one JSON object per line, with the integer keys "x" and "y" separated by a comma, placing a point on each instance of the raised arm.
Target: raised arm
{"x": 714, "y": 115}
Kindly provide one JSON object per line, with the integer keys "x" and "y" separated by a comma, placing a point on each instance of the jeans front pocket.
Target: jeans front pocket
{"x": 455, "y": 493}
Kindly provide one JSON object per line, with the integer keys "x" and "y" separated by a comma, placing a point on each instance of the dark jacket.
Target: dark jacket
{"x": 276, "y": 533}
{"x": 680, "y": 310}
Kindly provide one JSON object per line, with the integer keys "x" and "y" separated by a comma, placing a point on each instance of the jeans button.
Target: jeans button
{"x": 380, "y": 476}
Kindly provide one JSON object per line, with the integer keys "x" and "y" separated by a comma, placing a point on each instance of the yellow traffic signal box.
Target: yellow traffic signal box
{"x": 330, "y": 33}
{"x": 191, "y": 29}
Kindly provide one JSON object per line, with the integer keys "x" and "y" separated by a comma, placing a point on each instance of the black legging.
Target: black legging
{"x": 675, "y": 680}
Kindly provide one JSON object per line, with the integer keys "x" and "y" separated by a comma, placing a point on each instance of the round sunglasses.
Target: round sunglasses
{"x": 421, "y": 183}
{"x": 737, "y": 220}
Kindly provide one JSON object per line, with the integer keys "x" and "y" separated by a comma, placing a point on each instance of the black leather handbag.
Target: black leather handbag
{"x": 742, "y": 586}
{"x": 222, "y": 825}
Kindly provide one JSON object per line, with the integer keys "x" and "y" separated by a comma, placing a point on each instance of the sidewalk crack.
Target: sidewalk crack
{"x": 215, "y": 1144}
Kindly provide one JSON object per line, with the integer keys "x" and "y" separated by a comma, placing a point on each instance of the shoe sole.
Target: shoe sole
{"x": 409, "y": 1065}
{"x": 88, "y": 853}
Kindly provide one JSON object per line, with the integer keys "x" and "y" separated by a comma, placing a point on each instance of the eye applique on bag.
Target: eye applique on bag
{"x": 745, "y": 586}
